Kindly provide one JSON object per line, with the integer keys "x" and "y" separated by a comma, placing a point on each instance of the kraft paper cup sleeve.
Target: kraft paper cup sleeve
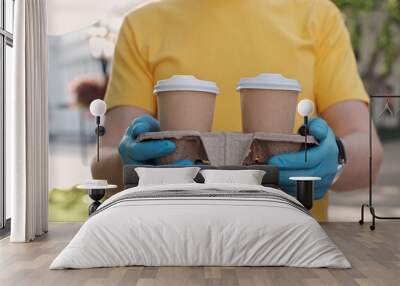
{"x": 186, "y": 102}
{"x": 268, "y": 103}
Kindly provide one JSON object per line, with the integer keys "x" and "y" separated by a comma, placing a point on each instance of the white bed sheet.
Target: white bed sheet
{"x": 200, "y": 231}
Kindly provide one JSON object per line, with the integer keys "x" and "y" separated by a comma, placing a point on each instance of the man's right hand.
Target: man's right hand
{"x": 147, "y": 153}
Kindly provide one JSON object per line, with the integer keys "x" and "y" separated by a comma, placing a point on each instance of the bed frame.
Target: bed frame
{"x": 270, "y": 179}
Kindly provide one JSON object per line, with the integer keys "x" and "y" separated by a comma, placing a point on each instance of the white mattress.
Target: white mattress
{"x": 191, "y": 231}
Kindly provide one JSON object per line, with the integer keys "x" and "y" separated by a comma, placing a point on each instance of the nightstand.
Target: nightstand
{"x": 305, "y": 190}
{"x": 96, "y": 191}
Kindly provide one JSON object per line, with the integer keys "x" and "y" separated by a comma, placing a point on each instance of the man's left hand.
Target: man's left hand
{"x": 322, "y": 161}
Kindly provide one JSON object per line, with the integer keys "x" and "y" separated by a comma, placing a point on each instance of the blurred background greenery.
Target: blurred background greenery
{"x": 68, "y": 205}
{"x": 374, "y": 26}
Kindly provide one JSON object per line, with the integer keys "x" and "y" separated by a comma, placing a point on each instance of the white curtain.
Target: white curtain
{"x": 27, "y": 133}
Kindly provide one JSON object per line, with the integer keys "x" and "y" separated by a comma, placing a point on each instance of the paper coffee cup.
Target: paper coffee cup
{"x": 268, "y": 103}
{"x": 185, "y": 103}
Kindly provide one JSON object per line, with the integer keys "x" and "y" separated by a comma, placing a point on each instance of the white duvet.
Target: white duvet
{"x": 200, "y": 231}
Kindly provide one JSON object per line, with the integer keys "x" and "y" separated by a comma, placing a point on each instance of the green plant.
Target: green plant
{"x": 68, "y": 205}
{"x": 379, "y": 65}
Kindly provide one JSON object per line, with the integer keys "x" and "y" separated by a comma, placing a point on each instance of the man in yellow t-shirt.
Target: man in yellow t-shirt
{"x": 222, "y": 41}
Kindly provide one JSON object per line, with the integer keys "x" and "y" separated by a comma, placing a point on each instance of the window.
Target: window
{"x": 6, "y": 44}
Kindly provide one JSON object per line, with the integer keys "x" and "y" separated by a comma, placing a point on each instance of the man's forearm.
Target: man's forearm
{"x": 356, "y": 171}
{"x": 109, "y": 167}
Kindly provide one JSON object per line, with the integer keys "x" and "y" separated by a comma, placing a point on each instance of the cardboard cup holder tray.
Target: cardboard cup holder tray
{"x": 228, "y": 148}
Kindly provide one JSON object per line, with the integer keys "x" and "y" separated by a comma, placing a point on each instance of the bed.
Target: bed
{"x": 199, "y": 224}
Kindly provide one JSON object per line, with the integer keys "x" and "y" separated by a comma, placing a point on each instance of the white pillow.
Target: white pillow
{"x": 165, "y": 176}
{"x": 248, "y": 177}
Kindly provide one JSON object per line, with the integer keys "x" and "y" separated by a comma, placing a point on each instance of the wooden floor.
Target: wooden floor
{"x": 375, "y": 257}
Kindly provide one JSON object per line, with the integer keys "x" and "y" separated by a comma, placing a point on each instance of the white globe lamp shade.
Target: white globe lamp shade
{"x": 98, "y": 107}
{"x": 305, "y": 107}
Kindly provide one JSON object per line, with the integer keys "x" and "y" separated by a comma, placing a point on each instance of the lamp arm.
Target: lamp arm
{"x": 305, "y": 137}
{"x": 98, "y": 137}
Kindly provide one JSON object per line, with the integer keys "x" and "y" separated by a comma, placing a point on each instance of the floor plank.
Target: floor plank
{"x": 375, "y": 257}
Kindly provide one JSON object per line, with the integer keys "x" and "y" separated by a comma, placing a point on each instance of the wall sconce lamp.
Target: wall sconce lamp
{"x": 98, "y": 108}
{"x": 305, "y": 185}
{"x": 305, "y": 108}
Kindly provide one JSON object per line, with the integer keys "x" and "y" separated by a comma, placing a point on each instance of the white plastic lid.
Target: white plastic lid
{"x": 185, "y": 83}
{"x": 269, "y": 81}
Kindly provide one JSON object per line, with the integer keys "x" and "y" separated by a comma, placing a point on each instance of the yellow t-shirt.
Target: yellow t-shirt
{"x": 224, "y": 40}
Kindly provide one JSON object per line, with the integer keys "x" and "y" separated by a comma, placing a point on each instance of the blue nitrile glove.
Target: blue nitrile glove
{"x": 322, "y": 161}
{"x": 148, "y": 152}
